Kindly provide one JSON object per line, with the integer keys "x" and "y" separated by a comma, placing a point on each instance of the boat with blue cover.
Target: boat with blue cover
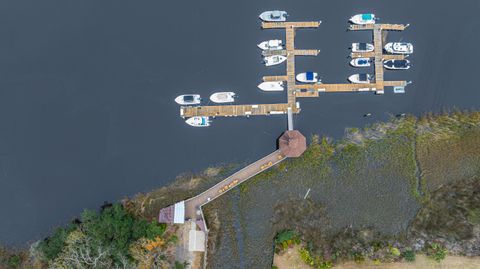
{"x": 307, "y": 77}
{"x": 360, "y": 62}
{"x": 188, "y": 99}
{"x": 397, "y": 64}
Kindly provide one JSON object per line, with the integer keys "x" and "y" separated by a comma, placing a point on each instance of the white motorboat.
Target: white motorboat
{"x": 271, "y": 86}
{"x": 198, "y": 121}
{"x": 188, "y": 99}
{"x": 360, "y": 78}
{"x": 274, "y": 44}
{"x": 360, "y": 62}
{"x": 397, "y": 64}
{"x": 274, "y": 60}
{"x": 399, "y": 48}
{"x": 307, "y": 77}
{"x": 274, "y": 15}
{"x": 362, "y": 47}
{"x": 223, "y": 97}
{"x": 363, "y": 19}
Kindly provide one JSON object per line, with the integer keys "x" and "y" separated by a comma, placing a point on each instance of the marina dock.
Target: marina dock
{"x": 294, "y": 90}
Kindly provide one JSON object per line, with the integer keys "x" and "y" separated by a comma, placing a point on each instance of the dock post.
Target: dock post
{"x": 290, "y": 118}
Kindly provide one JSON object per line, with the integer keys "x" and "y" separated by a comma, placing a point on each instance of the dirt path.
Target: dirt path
{"x": 291, "y": 260}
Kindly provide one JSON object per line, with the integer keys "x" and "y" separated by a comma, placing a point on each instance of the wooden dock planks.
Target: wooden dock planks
{"x": 235, "y": 110}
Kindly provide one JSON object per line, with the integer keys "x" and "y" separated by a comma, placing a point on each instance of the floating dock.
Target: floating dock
{"x": 294, "y": 90}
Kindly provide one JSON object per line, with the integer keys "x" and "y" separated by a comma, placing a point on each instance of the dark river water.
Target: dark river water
{"x": 87, "y": 88}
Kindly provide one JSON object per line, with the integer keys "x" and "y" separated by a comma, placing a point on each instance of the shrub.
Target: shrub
{"x": 409, "y": 255}
{"x": 395, "y": 252}
{"x": 14, "y": 261}
{"x": 53, "y": 245}
{"x": 436, "y": 252}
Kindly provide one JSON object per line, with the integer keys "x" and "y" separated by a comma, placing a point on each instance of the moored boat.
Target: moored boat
{"x": 188, "y": 99}
{"x": 223, "y": 97}
{"x": 362, "y": 19}
{"x": 274, "y": 44}
{"x": 360, "y": 78}
{"x": 271, "y": 86}
{"x": 274, "y": 60}
{"x": 360, "y": 62}
{"x": 397, "y": 64}
{"x": 274, "y": 15}
{"x": 198, "y": 121}
{"x": 399, "y": 48}
{"x": 307, "y": 77}
{"x": 362, "y": 47}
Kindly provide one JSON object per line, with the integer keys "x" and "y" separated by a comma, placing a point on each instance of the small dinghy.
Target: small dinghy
{"x": 188, "y": 99}
{"x": 360, "y": 62}
{"x": 271, "y": 86}
{"x": 360, "y": 78}
{"x": 399, "y": 48}
{"x": 274, "y": 15}
{"x": 274, "y": 44}
{"x": 397, "y": 64}
{"x": 362, "y": 47}
{"x": 363, "y": 19}
{"x": 274, "y": 60}
{"x": 307, "y": 77}
{"x": 198, "y": 121}
{"x": 223, "y": 97}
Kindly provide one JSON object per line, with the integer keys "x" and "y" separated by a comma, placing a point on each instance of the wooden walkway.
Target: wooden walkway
{"x": 307, "y": 90}
{"x": 193, "y": 205}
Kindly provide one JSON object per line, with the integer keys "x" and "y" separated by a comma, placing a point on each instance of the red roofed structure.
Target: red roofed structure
{"x": 292, "y": 143}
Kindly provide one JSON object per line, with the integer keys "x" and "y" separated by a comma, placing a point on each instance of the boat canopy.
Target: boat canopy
{"x": 366, "y": 17}
{"x": 188, "y": 98}
{"x": 362, "y": 46}
{"x": 309, "y": 75}
{"x": 276, "y": 14}
{"x": 362, "y": 61}
{"x": 362, "y": 77}
{"x": 398, "y": 63}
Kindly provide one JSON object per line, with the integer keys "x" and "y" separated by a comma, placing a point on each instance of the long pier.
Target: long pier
{"x": 193, "y": 205}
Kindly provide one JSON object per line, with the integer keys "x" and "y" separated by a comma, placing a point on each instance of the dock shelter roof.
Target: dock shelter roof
{"x": 292, "y": 143}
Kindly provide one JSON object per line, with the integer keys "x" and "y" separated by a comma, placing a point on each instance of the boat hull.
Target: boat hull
{"x": 302, "y": 77}
{"x": 273, "y": 44}
{"x": 363, "y": 19}
{"x": 198, "y": 121}
{"x": 274, "y": 60}
{"x": 271, "y": 86}
{"x": 184, "y": 102}
{"x": 223, "y": 97}
{"x": 272, "y": 16}
{"x": 397, "y": 64}
{"x": 360, "y": 62}
{"x": 356, "y": 78}
{"x": 398, "y": 48}
{"x": 356, "y": 47}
